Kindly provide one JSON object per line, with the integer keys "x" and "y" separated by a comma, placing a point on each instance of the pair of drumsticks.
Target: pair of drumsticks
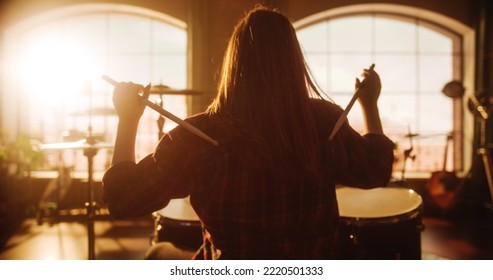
{"x": 204, "y": 136}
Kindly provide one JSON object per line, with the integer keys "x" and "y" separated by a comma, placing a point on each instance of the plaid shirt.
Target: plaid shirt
{"x": 249, "y": 209}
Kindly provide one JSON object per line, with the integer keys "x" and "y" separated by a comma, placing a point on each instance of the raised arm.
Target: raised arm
{"x": 129, "y": 109}
{"x": 368, "y": 99}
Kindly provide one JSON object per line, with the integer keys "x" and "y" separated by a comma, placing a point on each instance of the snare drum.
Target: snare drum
{"x": 379, "y": 223}
{"x": 179, "y": 224}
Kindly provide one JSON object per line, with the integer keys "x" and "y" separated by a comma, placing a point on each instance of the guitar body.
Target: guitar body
{"x": 443, "y": 189}
{"x": 444, "y": 185}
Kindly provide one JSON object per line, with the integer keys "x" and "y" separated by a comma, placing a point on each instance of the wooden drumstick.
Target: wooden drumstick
{"x": 169, "y": 115}
{"x": 344, "y": 114}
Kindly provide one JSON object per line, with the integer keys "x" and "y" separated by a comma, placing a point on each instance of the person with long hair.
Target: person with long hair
{"x": 267, "y": 190}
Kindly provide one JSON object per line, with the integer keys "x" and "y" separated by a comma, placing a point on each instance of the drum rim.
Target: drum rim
{"x": 173, "y": 221}
{"x": 412, "y": 215}
{"x": 399, "y": 215}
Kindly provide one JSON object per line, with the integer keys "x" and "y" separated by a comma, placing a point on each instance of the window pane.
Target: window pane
{"x": 435, "y": 114}
{"x": 43, "y": 33}
{"x": 344, "y": 69}
{"x": 168, "y": 39}
{"x": 88, "y": 32}
{"x": 430, "y": 153}
{"x": 314, "y": 38}
{"x": 133, "y": 68}
{"x": 170, "y": 70}
{"x": 435, "y": 71}
{"x": 394, "y": 35}
{"x": 397, "y": 72}
{"x": 432, "y": 41}
{"x": 128, "y": 34}
{"x": 397, "y": 112}
{"x": 351, "y": 34}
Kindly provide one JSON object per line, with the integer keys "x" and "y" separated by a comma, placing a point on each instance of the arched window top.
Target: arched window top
{"x": 390, "y": 10}
{"x": 92, "y": 9}
{"x": 363, "y": 32}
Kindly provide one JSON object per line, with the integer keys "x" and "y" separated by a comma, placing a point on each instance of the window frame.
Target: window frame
{"x": 15, "y": 119}
{"x": 463, "y": 69}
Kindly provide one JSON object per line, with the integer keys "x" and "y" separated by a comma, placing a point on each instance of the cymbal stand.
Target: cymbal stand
{"x": 90, "y": 205}
{"x": 407, "y": 155}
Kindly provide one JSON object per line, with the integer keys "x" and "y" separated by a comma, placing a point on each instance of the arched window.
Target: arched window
{"x": 415, "y": 59}
{"x": 60, "y": 58}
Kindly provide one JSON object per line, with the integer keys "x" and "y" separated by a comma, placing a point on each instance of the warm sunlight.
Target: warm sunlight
{"x": 54, "y": 69}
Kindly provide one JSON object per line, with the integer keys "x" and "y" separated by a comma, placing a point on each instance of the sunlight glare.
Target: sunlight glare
{"x": 51, "y": 70}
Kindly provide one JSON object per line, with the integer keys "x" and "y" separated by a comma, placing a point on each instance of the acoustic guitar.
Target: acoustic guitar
{"x": 444, "y": 185}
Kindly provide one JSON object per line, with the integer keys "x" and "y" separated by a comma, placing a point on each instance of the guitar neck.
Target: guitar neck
{"x": 445, "y": 154}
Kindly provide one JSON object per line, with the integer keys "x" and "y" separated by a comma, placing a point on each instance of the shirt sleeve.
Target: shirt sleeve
{"x": 366, "y": 161}
{"x": 136, "y": 189}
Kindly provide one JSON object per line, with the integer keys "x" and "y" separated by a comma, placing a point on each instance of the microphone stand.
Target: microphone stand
{"x": 481, "y": 112}
{"x": 483, "y": 150}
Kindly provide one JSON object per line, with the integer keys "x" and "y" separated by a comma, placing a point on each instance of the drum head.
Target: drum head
{"x": 377, "y": 202}
{"x": 179, "y": 209}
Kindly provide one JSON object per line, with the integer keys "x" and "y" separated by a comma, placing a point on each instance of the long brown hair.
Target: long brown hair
{"x": 265, "y": 81}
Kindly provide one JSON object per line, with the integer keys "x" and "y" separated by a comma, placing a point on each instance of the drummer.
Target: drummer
{"x": 267, "y": 191}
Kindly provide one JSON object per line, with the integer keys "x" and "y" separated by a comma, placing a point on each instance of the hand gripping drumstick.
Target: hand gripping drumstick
{"x": 169, "y": 115}
{"x": 343, "y": 116}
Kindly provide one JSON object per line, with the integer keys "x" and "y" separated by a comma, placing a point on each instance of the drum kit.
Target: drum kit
{"x": 381, "y": 223}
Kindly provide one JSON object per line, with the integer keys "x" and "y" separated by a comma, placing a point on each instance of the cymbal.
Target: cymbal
{"x": 76, "y": 135}
{"x": 77, "y": 145}
{"x": 163, "y": 89}
{"x": 418, "y": 135}
{"x": 410, "y": 135}
{"x": 96, "y": 112}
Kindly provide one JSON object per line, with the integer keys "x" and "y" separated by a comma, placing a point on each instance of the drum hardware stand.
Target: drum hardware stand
{"x": 407, "y": 155}
{"x": 90, "y": 205}
{"x": 90, "y": 150}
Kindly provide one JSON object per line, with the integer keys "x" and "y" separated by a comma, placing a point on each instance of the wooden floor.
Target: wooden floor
{"x": 464, "y": 238}
{"x": 114, "y": 240}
